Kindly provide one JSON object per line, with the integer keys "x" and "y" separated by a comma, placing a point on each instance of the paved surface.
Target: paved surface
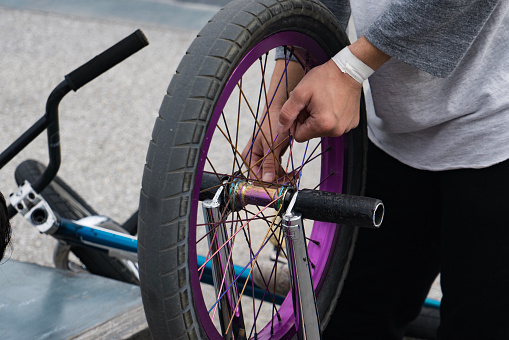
{"x": 105, "y": 126}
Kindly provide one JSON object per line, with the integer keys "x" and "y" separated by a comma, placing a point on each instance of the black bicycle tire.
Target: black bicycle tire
{"x": 69, "y": 204}
{"x": 171, "y": 163}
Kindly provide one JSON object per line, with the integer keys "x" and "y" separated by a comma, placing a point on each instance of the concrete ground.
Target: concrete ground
{"x": 106, "y": 125}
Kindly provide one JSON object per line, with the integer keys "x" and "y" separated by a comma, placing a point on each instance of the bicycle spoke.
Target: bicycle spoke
{"x": 229, "y": 138}
{"x": 260, "y": 123}
{"x": 243, "y": 269}
{"x": 208, "y": 259}
{"x": 269, "y": 142}
{"x": 255, "y": 257}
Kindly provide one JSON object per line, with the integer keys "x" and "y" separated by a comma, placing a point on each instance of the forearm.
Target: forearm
{"x": 368, "y": 53}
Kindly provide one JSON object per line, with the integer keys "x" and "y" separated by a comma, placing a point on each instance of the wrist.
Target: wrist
{"x": 348, "y": 63}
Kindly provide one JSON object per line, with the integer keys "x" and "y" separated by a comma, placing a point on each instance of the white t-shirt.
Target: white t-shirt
{"x": 432, "y": 123}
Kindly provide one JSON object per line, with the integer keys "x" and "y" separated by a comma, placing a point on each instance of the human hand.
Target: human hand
{"x": 325, "y": 103}
{"x": 263, "y": 155}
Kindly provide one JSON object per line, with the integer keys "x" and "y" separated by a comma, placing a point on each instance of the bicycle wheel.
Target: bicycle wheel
{"x": 67, "y": 203}
{"x": 213, "y": 107}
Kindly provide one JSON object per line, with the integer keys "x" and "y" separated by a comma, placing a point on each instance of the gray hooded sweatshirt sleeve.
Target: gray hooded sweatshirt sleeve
{"x": 432, "y": 35}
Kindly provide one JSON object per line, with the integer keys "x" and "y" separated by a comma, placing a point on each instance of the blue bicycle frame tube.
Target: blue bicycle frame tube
{"x": 241, "y": 281}
{"x": 97, "y": 237}
{"x": 112, "y": 241}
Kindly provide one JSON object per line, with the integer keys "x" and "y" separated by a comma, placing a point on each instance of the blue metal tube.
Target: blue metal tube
{"x": 96, "y": 236}
{"x": 258, "y": 293}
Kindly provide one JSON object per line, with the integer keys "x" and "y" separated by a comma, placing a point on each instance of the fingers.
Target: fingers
{"x": 325, "y": 103}
{"x": 271, "y": 164}
{"x": 328, "y": 124}
{"x": 312, "y": 128}
{"x": 251, "y": 158}
{"x": 264, "y": 158}
{"x": 269, "y": 169}
{"x": 296, "y": 102}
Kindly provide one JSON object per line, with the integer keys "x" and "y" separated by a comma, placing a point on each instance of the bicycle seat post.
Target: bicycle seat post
{"x": 303, "y": 295}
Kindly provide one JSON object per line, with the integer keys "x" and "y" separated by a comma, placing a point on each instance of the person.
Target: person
{"x": 5, "y": 227}
{"x": 438, "y": 158}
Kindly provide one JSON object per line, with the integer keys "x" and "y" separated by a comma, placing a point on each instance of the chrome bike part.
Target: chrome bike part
{"x": 34, "y": 208}
{"x": 303, "y": 295}
{"x": 223, "y": 270}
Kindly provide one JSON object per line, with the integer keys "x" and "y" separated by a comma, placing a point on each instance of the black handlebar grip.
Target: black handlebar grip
{"x": 339, "y": 208}
{"x": 106, "y": 60}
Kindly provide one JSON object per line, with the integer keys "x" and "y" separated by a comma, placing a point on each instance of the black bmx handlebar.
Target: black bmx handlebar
{"x": 73, "y": 81}
{"x": 106, "y": 60}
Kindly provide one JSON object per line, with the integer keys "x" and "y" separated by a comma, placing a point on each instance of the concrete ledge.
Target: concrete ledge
{"x": 46, "y": 303}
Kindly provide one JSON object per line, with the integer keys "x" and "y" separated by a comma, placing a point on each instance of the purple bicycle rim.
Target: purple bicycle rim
{"x": 325, "y": 233}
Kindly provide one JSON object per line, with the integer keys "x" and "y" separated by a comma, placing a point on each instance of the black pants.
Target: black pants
{"x": 453, "y": 222}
